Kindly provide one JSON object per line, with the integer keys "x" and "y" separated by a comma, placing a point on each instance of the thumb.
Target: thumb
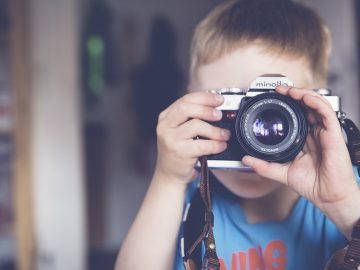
{"x": 271, "y": 170}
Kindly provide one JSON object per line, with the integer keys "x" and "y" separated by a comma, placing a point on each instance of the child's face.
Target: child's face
{"x": 239, "y": 69}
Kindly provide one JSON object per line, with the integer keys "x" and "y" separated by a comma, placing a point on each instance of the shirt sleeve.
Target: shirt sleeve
{"x": 356, "y": 172}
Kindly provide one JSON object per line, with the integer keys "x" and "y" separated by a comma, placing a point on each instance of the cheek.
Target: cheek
{"x": 246, "y": 185}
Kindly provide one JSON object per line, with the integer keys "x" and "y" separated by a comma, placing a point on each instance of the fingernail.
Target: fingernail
{"x": 225, "y": 133}
{"x": 246, "y": 160}
{"x": 219, "y": 97}
{"x": 217, "y": 113}
{"x": 283, "y": 87}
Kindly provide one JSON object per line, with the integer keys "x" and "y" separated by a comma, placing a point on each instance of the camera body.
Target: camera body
{"x": 263, "y": 123}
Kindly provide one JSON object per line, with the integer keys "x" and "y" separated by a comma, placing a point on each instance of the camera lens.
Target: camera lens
{"x": 271, "y": 127}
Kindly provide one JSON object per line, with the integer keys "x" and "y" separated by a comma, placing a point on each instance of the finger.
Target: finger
{"x": 315, "y": 102}
{"x": 311, "y": 146}
{"x": 281, "y": 89}
{"x": 299, "y": 93}
{"x": 184, "y": 111}
{"x": 198, "y": 148}
{"x": 200, "y": 98}
{"x": 328, "y": 116}
{"x": 271, "y": 170}
{"x": 203, "y": 98}
{"x": 313, "y": 119}
{"x": 196, "y": 127}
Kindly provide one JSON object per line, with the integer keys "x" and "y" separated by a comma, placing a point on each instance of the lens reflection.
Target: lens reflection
{"x": 270, "y": 127}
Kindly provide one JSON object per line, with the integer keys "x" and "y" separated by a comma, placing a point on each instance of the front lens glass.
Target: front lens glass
{"x": 270, "y": 127}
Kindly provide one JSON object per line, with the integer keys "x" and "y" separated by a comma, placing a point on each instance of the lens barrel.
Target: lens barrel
{"x": 271, "y": 127}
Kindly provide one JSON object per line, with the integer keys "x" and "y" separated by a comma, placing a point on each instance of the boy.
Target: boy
{"x": 278, "y": 216}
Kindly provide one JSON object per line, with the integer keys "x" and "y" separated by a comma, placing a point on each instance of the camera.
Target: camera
{"x": 263, "y": 123}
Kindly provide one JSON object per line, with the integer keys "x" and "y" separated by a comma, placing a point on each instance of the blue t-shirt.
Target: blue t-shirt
{"x": 305, "y": 240}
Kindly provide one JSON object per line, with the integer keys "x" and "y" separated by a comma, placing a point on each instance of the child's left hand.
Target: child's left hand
{"x": 322, "y": 172}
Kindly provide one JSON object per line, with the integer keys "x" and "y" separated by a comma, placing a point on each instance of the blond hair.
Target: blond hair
{"x": 282, "y": 26}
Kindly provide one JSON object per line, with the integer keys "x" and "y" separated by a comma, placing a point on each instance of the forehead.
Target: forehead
{"x": 241, "y": 67}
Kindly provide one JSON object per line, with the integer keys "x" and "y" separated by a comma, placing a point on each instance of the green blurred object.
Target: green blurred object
{"x": 96, "y": 59}
{"x": 100, "y": 68}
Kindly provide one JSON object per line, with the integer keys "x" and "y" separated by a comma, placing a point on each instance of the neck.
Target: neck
{"x": 275, "y": 206}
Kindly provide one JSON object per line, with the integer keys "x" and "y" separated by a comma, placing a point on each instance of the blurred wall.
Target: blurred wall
{"x": 58, "y": 189}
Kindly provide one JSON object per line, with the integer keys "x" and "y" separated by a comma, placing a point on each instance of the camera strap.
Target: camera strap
{"x": 191, "y": 257}
{"x": 352, "y": 255}
{"x": 353, "y": 138}
{"x": 349, "y": 257}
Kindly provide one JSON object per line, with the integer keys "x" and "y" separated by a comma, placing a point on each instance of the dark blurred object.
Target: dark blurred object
{"x": 96, "y": 136}
{"x": 357, "y": 25}
{"x": 99, "y": 52}
{"x": 7, "y": 266}
{"x": 156, "y": 83}
{"x": 347, "y": 258}
{"x": 336, "y": 261}
{"x": 4, "y": 18}
{"x": 100, "y": 259}
{"x": 7, "y": 238}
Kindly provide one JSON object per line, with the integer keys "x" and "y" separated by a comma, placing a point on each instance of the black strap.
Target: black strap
{"x": 210, "y": 260}
{"x": 352, "y": 256}
{"x": 193, "y": 225}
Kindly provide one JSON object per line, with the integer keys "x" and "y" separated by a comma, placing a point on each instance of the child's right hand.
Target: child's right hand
{"x": 178, "y": 125}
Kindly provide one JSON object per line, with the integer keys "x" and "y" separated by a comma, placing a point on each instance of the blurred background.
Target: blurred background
{"x": 81, "y": 85}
